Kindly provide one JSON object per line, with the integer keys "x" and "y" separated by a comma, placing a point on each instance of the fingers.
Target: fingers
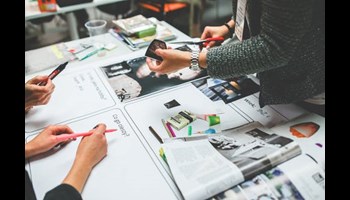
{"x": 206, "y": 33}
{"x": 99, "y": 129}
{"x": 151, "y": 64}
{"x": 60, "y": 129}
{"x": 159, "y": 52}
{"x": 210, "y": 44}
{"x": 45, "y": 100}
{"x": 49, "y": 85}
{"x": 38, "y": 79}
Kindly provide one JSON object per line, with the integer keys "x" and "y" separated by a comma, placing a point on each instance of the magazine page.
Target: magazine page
{"x": 287, "y": 181}
{"x": 309, "y": 131}
{"x": 252, "y": 149}
{"x": 199, "y": 171}
{"x": 235, "y": 93}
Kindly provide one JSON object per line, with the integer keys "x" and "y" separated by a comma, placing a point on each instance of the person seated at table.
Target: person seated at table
{"x": 91, "y": 150}
{"x": 36, "y": 95}
{"x": 81, "y": 15}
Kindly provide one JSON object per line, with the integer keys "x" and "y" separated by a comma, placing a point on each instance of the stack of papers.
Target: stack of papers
{"x": 134, "y": 42}
{"x": 134, "y": 25}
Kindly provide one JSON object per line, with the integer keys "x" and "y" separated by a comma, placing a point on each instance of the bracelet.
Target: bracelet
{"x": 229, "y": 29}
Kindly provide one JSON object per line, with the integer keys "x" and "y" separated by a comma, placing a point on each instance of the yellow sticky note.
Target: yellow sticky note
{"x": 57, "y": 52}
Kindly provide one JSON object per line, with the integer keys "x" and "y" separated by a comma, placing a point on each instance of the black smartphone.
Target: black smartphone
{"x": 155, "y": 44}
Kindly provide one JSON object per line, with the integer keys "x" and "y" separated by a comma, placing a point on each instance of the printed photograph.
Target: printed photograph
{"x": 202, "y": 85}
{"x": 234, "y": 89}
{"x": 133, "y": 78}
{"x": 226, "y": 90}
{"x": 249, "y": 149}
{"x": 271, "y": 185}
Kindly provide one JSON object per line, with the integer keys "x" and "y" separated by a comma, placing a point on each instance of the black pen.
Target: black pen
{"x": 155, "y": 134}
{"x": 55, "y": 72}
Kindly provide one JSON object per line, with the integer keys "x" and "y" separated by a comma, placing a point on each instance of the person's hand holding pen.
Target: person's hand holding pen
{"x": 91, "y": 150}
{"x": 46, "y": 140}
{"x": 38, "y": 95}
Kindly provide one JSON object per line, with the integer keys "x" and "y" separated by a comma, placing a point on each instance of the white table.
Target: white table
{"x": 32, "y": 12}
{"x": 120, "y": 49}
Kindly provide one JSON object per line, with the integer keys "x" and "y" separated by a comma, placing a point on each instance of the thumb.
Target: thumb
{"x": 159, "y": 52}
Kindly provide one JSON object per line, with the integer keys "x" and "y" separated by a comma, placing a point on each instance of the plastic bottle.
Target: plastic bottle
{"x": 47, "y": 5}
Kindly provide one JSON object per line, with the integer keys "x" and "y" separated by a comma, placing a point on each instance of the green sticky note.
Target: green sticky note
{"x": 213, "y": 120}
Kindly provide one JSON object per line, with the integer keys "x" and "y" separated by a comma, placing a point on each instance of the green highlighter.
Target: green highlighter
{"x": 189, "y": 130}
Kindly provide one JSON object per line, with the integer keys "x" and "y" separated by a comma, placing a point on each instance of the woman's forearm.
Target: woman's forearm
{"x": 78, "y": 175}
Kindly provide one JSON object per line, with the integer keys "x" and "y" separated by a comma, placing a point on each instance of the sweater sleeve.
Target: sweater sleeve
{"x": 63, "y": 192}
{"x": 283, "y": 25}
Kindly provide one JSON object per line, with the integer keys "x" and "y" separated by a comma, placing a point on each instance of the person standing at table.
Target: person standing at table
{"x": 91, "y": 150}
{"x": 282, "y": 41}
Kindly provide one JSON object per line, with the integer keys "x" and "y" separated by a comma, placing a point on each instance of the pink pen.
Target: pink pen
{"x": 170, "y": 129}
{"x": 64, "y": 137}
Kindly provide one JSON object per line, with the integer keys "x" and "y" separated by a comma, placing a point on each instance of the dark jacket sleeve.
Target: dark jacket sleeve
{"x": 283, "y": 25}
{"x": 63, "y": 192}
{"x": 29, "y": 191}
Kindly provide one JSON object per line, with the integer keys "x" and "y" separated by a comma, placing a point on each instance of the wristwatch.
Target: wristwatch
{"x": 195, "y": 61}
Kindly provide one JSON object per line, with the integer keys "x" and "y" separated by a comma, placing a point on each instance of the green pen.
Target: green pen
{"x": 90, "y": 54}
{"x": 189, "y": 130}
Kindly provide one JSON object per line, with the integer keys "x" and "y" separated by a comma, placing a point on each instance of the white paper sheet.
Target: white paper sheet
{"x": 127, "y": 172}
{"x": 76, "y": 94}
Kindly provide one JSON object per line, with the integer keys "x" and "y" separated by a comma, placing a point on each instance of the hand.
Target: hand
{"x": 214, "y": 31}
{"x": 92, "y": 149}
{"x": 38, "y": 95}
{"x": 173, "y": 60}
{"x": 46, "y": 140}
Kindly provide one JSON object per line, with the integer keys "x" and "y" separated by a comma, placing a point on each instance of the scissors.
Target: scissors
{"x": 200, "y": 42}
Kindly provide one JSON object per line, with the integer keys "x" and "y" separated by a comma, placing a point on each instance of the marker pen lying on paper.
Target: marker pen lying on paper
{"x": 170, "y": 129}
{"x": 166, "y": 128}
{"x": 155, "y": 134}
{"x": 64, "y": 137}
{"x": 55, "y": 72}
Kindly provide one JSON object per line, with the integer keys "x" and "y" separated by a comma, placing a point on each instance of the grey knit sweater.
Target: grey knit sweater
{"x": 285, "y": 46}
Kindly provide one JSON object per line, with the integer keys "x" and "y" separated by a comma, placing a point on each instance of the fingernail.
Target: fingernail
{"x": 96, "y": 126}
